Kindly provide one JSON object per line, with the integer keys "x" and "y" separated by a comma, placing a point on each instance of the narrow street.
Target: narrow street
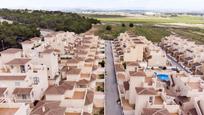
{"x": 175, "y": 63}
{"x": 111, "y": 90}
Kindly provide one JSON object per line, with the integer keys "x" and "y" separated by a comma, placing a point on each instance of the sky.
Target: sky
{"x": 190, "y": 5}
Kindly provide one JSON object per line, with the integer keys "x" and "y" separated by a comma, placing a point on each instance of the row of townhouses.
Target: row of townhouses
{"x": 186, "y": 52}
{"x": 149, "y": 84}
{"x": 60, "y": 73}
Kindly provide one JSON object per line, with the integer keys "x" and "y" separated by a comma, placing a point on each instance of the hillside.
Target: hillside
{"x": 12, "y": 34}
{"x": 55, "y": 20}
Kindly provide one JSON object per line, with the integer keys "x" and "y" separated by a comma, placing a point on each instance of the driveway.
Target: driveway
{"x": 111, "y": 90}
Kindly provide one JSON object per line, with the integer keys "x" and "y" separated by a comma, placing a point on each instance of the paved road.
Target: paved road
{"x": 175, "y": 63}
{"x": 111, "y": 90}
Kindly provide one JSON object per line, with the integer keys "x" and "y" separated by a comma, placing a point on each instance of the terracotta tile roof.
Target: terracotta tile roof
{"x": 193, "y": 111}
{"x": 64, "y": 69}
{"x": 89, "y": 97}
{"x": 74, "y": 71}
{"x": 197, "y": 64}
{"x": 119, "y": 68}
{"x": 155, "y": 111}
{"x": 182, "y": 99}
{"x": 145, "y": 91}
{"x": 79, "y": 58}
{"x": 89, "y": 60}
{"x": 138, "y": 42}
{"x": 85, "y": 113}
{"x": 87, "y": 42}
{"x": 67, "y": 68}
{"x": 93, "y": 77}
{"x": 2, "y": 90}
{"x": 132, "y": 63}
{"x": 88, "y": 38}
{"x": 12, "y": 77}
{"x": 126, "y": 85}
{"x": 48, "y": 108}
{"x": 81, "y": 52}
{"x": 18, "y": 61}
{"x": 11, "y": 50}
{"x": 82, "y": 47}
{"x": 83, "y": 82}
{"x": 136, "y": 39}
{"x": 138, "y": 74}
{"x": 188, "y": 58}
{"x": 72, "y": 61}
{"x": 56, "y": 90}
{"x": 149, "y": 80}
{"x": 22, "y": 91}
{"x": 48, "y": 51}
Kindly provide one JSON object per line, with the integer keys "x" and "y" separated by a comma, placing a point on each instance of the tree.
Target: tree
{"x": 123, "y": 25}
{"x": 109, "y": 28}
{"x": 131, "y": 25}
{"x": 102, "y": 63}
{"x": 55, "y": 20}
{"x": 12, "y": 34}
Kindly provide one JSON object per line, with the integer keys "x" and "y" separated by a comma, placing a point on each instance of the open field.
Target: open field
{"x": 101, "y": 16}
{"x": 188, "y": 27}
{"x": 155, "y": 19}
{"x": 152, "y": 33}
{"x": 194, "y": 34}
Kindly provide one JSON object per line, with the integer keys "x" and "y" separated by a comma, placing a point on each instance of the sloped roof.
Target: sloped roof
{"x": 11, "y": 50}
{"x": 21, "y": 77}
{"x": 50, "y": 108}
{"x": 137, "y": 74}
{"x": 155, "y": 111}
{"x": 18, "y": 61}
{"x": 89, "y": 97}
{"x": 126, "y": 85}
{"x": 58, "y": 90}
{"x": 145, "y": 91}
{"x": 22, "y": 91}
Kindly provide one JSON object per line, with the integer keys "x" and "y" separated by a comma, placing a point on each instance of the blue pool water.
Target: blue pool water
{"x": 163, "y": 77}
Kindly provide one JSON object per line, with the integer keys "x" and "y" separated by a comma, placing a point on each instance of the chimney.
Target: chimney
{"x": 43, "y": 108}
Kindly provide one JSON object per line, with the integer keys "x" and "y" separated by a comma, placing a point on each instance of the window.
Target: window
{"x": 22, "y": 68}
{"x": 24, "y": 96}
{"x": 36, "y": 80}
{"x": 17, "y": 83}
{"x": 151, "y": 100}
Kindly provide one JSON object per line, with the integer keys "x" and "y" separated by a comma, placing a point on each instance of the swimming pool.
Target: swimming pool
{"x": 163, "y": 77}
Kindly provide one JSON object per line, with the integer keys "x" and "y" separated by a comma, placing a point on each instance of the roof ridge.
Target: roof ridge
{"x": 159, "y": 111}
{"x": 142, "y": 90}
